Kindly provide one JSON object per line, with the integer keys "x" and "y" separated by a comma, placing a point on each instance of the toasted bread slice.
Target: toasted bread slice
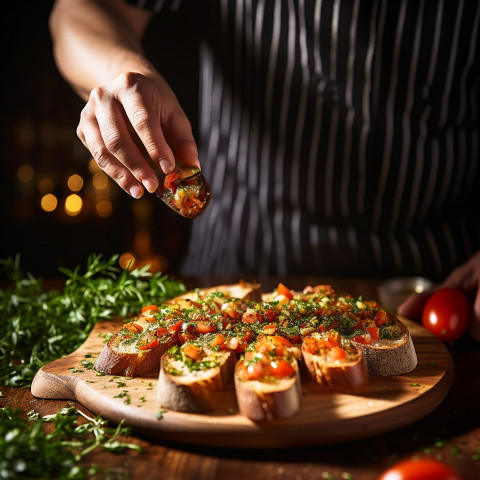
{"x": 125, "y": 352}
{"x": 121, "y": 357}
{"x": 242, "y": 290}
{"x": 189, "y": 384}
{"x": 267, "y": 380}
{"x": 266, "y": 400}
{"x": 333, "y": 361}
{"x": 390, "y": 356}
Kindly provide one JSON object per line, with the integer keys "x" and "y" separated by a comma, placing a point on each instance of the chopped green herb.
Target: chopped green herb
{"x": 160, "y": 414}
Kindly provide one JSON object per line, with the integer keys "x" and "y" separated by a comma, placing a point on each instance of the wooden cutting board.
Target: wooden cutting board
{"x": 325, "y": 416}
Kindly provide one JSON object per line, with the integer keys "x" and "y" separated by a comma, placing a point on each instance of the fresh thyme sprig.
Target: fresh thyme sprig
{"x": 38, "y": 326}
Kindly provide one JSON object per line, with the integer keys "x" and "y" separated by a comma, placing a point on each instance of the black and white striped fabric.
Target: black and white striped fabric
{"x": 339, "y": 137}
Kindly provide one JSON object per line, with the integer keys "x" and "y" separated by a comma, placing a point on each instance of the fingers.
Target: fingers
{"x": 89, "y": 133}
{"x": 131, "y": 127}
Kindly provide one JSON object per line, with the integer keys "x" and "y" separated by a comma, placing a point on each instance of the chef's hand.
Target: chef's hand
{"x": 132, "y": 113}
{"x": 465, "y": 278}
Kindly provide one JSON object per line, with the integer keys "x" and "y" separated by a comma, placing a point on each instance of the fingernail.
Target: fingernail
{"x": 166, "y": 166}
{"x": 136, "y": 191}
{"x": 150, "y": 185}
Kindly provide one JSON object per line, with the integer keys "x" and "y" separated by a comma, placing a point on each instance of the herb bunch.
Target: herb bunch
{"x": 38, "y": 326}
{"x": 27, "y": 451}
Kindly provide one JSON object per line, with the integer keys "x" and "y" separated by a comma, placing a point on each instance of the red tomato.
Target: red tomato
{"x": 170, "y": 179}
{"x": 446, "y": 314}
{"x": 205, "y": 327}
{"x": 283, "y": 290}
{"x": 153, "y": 344}
{"x": 337, "y": 353}
{"x": 253, "y": 371}
{"x": 147, "y": 308}
{"x": 280, "y": 368}
{"x": 421, "y": 469}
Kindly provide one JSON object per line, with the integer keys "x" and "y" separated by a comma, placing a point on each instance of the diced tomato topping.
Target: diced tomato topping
{"x": 232, "y": 343}
{"x": 381, "y": 318}
{"x": 270, "y": 329}
{"x": 280, "y": 368}
{"x": 283, "y": 290}
{"x": 205, "y": 327}
{"x": 175, "y": 327}
{"x": 331, "y": 342}
{"x": 253, "y": 371}
{"x": 154, "y": 343}
{"x": 250, "y": 355}
{"x": 311, "y": 345}
{"x": 250, "y": 316}
{"x": 161, "y": 331}
{"x": 366, "y": 339}
{"x": 337, "y": 353}
{"x": 296, "y": 339}
{"x": 170, "y": 179}
{"x": 133, "y": 327}
{"x": 373, "y": 331}
{"x": 280, "y": 340}
{"x": 192, "y": 351}
{"x": 270, "y": 315}
{"x": 218, "y": 341}
{"x": 321, "y": 328}
{"x": 150, "y": 308}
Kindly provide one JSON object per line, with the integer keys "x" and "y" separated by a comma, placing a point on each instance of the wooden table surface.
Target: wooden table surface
{"x": 450, "y": 433}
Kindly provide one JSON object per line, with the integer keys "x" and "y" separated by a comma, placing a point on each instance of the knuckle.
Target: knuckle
{"x": 97, "y": 94}
{"x": 128, "y": 79}
{"x": 113, "y": 142}
{"x": 100, "y": 156}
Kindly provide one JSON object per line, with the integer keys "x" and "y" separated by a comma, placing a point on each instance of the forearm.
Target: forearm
{"x": 95, "y": 41}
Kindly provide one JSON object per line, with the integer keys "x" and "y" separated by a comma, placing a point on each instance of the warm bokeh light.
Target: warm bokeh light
{"x": 100, "y": 181}
{"x": 104, "y": 208}
{"x": 126, "y": 260}
{"x": 46, "y": 185}
{"x": 75, "y": 182}
{"x": 93, "y": 167}
{"x": 49, "y": 202}
{"x": 25, "y": 173}
{"x": 73, "y": 205}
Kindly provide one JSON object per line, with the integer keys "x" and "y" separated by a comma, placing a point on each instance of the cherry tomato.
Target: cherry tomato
{"x": 446, "y": 314}
{"x": 421, "y": 469}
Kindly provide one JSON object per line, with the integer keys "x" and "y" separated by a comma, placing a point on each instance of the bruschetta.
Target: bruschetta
{"x": 138, "y": 347}
{"x": 267, "y": 380}
{"x": 333, "y": 361}
{"x": 191, "y": 375}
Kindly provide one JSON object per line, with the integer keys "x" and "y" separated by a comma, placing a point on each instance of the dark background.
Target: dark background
{"x": 39, "y": 117}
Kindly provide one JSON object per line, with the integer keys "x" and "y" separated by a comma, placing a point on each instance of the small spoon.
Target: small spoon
{"x": 185, "y": 190}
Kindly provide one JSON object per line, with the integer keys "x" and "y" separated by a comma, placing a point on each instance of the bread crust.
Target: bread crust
{"x": 260, "y": 401}
{"x": 194, "y": 393}
{"x": 386, "y": 357}
{"x": 336, "y": 374}
{"x": 113, "y": 361}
